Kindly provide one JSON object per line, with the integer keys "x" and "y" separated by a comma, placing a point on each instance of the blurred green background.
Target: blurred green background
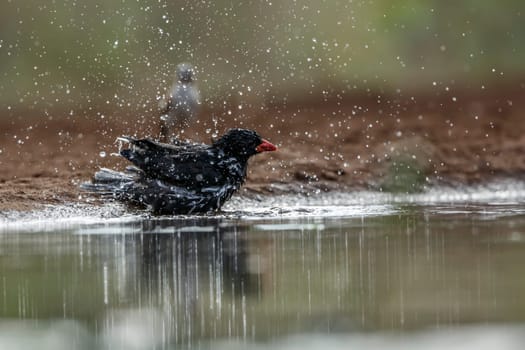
{"x": 86, "y": 54}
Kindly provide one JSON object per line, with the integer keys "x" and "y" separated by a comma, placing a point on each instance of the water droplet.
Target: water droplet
{"x": 102, "y": 154}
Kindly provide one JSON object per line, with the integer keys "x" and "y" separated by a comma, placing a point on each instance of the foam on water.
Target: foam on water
{"x": 64, "y": 217}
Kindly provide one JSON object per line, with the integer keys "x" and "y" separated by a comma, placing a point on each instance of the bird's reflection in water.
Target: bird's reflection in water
{"x": 198, "y": 276}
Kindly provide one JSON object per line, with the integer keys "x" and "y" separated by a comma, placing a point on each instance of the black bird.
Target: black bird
{"x": 182, "y": 105}
{"x": 184, "y": 177}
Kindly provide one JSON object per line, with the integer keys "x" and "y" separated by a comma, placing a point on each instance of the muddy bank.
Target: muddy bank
{"x": 401, "y": 143}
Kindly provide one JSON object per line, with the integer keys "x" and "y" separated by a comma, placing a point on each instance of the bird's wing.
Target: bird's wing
{"x": 149, "y": 146}
{"x": 189, "y": 165}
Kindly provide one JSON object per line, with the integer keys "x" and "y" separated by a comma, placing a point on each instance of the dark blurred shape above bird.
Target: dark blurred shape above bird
{"x": 182, "y": 104}
{"x": 184, "y": 177}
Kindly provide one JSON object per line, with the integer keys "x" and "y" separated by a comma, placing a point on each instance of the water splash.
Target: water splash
{"x": 497, "y": 198}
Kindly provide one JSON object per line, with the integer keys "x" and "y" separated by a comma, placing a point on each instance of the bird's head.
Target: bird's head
{"x": 243, "y": 143}
{"x": 185, "y": 72}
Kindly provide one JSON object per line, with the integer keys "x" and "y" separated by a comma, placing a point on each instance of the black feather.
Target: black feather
{"x": 180, "y": 178}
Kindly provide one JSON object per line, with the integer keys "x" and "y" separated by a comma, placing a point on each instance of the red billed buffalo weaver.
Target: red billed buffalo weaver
{"x": 183, "y": 177}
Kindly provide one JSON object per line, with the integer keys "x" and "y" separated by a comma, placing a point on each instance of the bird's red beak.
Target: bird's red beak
{"x": 265, "y": 146}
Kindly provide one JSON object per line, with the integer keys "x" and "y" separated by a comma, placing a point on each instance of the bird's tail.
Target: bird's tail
{"x": 107, "y": 181}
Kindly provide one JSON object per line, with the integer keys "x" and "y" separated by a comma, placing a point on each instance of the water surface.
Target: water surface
{"x": 317, "y": 273}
